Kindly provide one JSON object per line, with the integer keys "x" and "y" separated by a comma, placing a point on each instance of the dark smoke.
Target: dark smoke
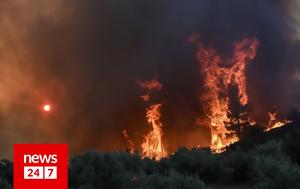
{"x": 86, "y": 57}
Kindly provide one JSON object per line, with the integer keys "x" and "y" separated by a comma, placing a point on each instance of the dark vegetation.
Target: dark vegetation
{"x": 260, "y": 160}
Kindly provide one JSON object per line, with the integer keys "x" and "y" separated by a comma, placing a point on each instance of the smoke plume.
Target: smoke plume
{"x": 85, "y": 58}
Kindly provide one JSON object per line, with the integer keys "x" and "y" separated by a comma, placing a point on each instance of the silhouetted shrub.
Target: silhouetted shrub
{"x": 98, "y": 170}
{"x": 270, "y": 148}
{"x": 269, "y": 167}
{"x": 292, "y": 144}
{"x": 275, "y": 172}
{"x": 266, "y": 166}
{"x": 172, "y": 181}
{"x": 239, "y": 162}
{"x": 251, "y": 136}
{"x": 6, "y": 174}
{"x": 209, "y": 167}
{"x": 294, "y": 115}
{"x": 95, "y": 170}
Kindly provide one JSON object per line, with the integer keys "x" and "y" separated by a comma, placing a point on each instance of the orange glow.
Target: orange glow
{"x": 130, "y": 143}
{"x": 47, "y": 108}
{"x": 145, "y": 97}
{"x": 274, "y": 123}
{"x": 151, "y": 85}
{"x": 218, "y": 75}
{"x": 152, "y": 145}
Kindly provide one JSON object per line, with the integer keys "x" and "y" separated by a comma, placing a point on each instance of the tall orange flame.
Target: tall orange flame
{"x": 217, "y": 80}
{"x": 152, "y": 145}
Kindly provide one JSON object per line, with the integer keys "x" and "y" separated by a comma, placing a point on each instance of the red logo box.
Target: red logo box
{"x": 39, "y": 166}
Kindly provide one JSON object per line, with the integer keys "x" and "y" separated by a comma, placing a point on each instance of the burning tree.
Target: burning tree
{"x": 224, "y": 97}
{"x": 218, "y": 77}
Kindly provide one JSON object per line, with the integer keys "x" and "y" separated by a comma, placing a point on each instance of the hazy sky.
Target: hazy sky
{"x": 86, "y": 57}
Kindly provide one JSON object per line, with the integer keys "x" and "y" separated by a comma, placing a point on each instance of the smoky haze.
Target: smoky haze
{"x": 86, "y": 57}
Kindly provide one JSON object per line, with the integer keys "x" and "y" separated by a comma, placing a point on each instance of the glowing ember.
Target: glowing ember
{"x": 151, "y": 85}
{"x": 152, "y": 145}
{"x": 47, "y": 108}
{"x": 274, "y": 123}
{"x": 145, "y": 98}
{"x": 217, "y": 80}
{"x": 130, "y": 143}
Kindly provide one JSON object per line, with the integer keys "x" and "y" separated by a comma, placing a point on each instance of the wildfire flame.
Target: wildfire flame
{"x": 274, "y": 123}
{"x": 145, "y": 97}
{"x": 217, "y": 80}
{"x": 130, "y": 143}
{"x": 219, "y": 76}
{"x": 152, "y": 145}
{"x": 150, "y": 85}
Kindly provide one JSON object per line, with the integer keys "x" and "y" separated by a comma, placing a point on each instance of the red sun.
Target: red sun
{"x": 47, "y": 107}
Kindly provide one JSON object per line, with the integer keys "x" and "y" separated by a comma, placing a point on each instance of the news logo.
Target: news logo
{"x": 39, "y": 166}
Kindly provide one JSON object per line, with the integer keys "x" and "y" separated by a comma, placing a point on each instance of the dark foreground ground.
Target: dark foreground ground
{"x": 260, "y": 160}
{"x": 241, "y": 186}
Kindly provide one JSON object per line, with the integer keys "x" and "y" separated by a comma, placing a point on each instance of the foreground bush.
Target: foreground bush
{"x": 124, "y": 171}
{"x": 99, "y": 170}
{"x": 239, "y": 163}
{"x": 275, "y": 173}
{"x": 266, "y": 166}
{"x": 172, "y": 181}
{"x": 291, "y": 145}
{"x": 207, "y": 166}
{"x": 6, "y": 174}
